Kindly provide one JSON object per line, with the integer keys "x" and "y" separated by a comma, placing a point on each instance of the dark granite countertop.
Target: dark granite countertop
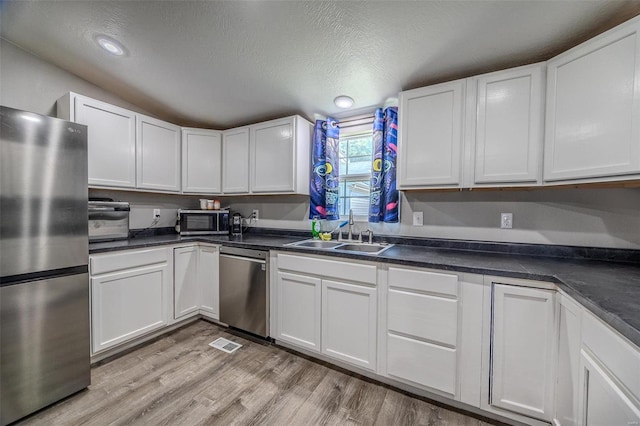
{"x": 608, "y": 289}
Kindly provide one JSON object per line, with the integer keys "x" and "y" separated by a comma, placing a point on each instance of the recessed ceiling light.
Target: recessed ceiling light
{"x": 110, "y": 45}
{"x": 343, "y": 101}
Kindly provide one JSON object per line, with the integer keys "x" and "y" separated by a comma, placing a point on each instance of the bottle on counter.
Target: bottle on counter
{"x": 315, "y": 228}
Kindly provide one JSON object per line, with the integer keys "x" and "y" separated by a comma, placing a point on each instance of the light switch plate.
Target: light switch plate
{"x": 417, "y": 218}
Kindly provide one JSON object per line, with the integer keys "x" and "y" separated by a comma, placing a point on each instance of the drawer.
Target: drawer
{"x": 423, "y": 363}
{"x": 428, "y": 317}
{"x": 426, "y": 281}
{"x": 326, "y": 268}
{"x": 617, "y": 355}
{"x": 126, "y": 259}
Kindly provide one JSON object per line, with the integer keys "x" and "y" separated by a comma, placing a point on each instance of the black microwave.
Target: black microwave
{"x": 204, "y": 222}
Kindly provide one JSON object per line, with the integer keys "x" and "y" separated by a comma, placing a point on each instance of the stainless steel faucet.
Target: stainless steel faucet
{"x": 350, "y": 224}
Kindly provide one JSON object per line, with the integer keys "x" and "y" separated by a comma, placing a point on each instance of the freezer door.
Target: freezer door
{"x": 43, "y": 193}
{"x": 44, "y": 343}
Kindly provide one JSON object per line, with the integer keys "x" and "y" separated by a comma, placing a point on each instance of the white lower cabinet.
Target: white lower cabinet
{"x": 129, "y": 296}
{"x": 328, "y": 306}
{"x": 609, "y": 391}
{"x": 208, "y": 277}
{"x": 349, "y": 323}
{"x": 196, "y": 282}
{"x": 523, "y": 340}
{"x": 568, "y": 362}
{"x": 186, "y": 297}
{"x": 298, "y": 317}
{"x": 604, "y": 402}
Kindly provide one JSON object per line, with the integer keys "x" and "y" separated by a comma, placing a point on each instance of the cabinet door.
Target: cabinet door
{"x": 509, "y": 126}
{"x": 349, "y": 323}
{"x": 208, "y": 281}
{"x": 593, "y": 108}
{"x": 603, "y": 402}
{"x": 298, "y": 313}
{"x": 273, "y": 156}
{"x": 522, "y": 350}
{"x": 235, "y": 161}
{"x": 186, "y": 297}
{"x": 430, "y": 140}
{"x": 568, "y": 366}
{"x": 201, "y": 161}
{"x": 111, "y": 139}
{"x": 127, "y": 304}
{"x": 158, "y": 154}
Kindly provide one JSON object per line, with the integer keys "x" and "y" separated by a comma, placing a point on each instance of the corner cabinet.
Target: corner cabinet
{"x": 430, "y": 138}
{"x": 201, "y": 161}
{"x": 505, "y": 127}
{"x": 593, "y": 109}
{"x": 196, "y": 282}
{"x": 235, "y": 161}
{"x": 157, "y": 154}
{"x": 111, "y": 139}
{"x": 280, "y": 156}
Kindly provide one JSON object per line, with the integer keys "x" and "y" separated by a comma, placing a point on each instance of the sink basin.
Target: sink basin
{"x": 317, "y": 244}
{"x": 342, "y": 246}
{"x": 364, "y": 248}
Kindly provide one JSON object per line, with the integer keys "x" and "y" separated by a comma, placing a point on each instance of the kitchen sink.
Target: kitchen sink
{"x": 317, "y": 244}
{"x": 343, "y": 246}
{"x": 364, "y": 248}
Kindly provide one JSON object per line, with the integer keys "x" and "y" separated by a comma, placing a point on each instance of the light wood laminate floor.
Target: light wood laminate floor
{"x": 180, "y": 380}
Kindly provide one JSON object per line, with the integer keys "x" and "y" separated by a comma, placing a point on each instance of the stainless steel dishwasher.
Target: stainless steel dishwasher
{"x": 244, "y": 289}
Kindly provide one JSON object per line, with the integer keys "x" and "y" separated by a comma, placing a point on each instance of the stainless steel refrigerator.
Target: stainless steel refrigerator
{"x": 44, "y": 282}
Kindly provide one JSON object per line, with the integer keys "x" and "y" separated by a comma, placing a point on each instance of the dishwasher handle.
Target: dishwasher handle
{"x": 247, "y": 259}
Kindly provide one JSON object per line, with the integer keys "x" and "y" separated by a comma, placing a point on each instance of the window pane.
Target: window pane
{"x": 359, "y": 165}
{"x": 360, "y": 206}
{"x": 343, "y": 166}
{"x": 343, "y": 148}
{"x": 360, "y": 146}
{"x": 357, "y": 189}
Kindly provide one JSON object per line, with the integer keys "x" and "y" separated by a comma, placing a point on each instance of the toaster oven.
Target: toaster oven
{"x": 108, "y": 220}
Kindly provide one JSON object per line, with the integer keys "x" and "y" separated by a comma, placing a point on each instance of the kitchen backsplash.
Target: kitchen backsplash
{"x": 583, "y": 217}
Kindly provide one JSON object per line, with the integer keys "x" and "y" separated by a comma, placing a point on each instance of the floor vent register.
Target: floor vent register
{"x": 225, "y": 345}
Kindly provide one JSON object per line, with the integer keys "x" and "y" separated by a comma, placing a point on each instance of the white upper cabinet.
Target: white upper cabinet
{"x": 111, "y": 139}
{"x": 593, "y": 109}
{"x": 280, "y": 156}
{"x": 235, "y": 161}
{"x": 505, "y": 127}
{"x": 431, "y": 136}
{"x": 158, "y": 154}
{"x": 201, "y": 161}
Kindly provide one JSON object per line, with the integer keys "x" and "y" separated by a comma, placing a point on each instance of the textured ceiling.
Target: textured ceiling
{"x": 225, "y": 63}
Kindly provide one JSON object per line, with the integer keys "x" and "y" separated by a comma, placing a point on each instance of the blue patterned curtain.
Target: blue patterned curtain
{"x": 383, "y": 205}
{"x": 324, "y": 184}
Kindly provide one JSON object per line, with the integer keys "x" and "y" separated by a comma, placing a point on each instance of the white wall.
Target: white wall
{"x": 589, "y": 217}
{"x": 31, "y": 84}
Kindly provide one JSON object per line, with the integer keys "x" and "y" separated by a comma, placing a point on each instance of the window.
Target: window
{"x": 355, "y": 171}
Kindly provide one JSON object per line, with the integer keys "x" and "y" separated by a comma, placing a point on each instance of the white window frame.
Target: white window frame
{"x": 354, "y": 127}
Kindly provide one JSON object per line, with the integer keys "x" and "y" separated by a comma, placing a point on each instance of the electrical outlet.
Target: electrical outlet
{"x": 256, "y": 214}
{"x": 506, "y": 220}
{"x": 417, "y": 218}
{"x": 156, "y": 213}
